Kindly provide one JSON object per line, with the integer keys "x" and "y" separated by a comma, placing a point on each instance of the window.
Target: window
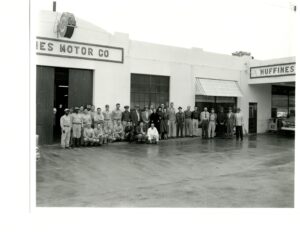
{"x": 149, "y": 89}
{"x": 283, "y": 101}
{"x": 215, "y": 102}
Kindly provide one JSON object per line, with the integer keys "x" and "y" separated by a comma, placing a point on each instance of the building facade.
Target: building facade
{"x": 97, "y": 67}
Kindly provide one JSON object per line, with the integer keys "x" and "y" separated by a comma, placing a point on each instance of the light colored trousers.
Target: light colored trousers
{"x": 65, "y": 137}
{"x": 211, "y": 129}
{"x": 172, "y": 128}
{"x": 188, "y": 127}
{"x": 76, "y": 131}
{"x": 195, "y": 127}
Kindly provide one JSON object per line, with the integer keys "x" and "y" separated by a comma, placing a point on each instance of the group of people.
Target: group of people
{"x": 85, "y": 126}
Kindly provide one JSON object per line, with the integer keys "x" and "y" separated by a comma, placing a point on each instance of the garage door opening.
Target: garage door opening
{"x": 56, "y": 89}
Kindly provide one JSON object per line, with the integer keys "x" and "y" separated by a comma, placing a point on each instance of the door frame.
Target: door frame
{"x": 250, "y": 131}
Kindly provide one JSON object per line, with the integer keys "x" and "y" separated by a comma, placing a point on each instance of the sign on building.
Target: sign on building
{"x": 276, "y": 70}
{"x": 78, "y": 50}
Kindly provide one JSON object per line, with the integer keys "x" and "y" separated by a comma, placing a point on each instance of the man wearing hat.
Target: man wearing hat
{"x": 179, "y": 122}
{"x": 135, "y": 116}
{"x": 145, "y": 116}
{"x": 76, "y": 127}
{"x": 204, "y": 116}
{"x": 65, "y": 124}
{"x": 230, "y": 122}
{"x": 126, "y": 116}
{"x": 116, "y": 114}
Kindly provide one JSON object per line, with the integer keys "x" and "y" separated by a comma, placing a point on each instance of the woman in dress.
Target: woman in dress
{"x": 164, "y": 124}
{"x": 154, "y": 118}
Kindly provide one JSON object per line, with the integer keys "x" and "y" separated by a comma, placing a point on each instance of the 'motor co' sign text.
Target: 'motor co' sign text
{"x": 276, "y": 70}
{"x": 72, "y": 49}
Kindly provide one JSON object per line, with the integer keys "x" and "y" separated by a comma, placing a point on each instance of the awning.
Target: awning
{"x": 219, "y": 88}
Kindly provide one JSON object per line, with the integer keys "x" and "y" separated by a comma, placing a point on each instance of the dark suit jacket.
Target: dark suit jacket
{"x": 138, "y": 130}
{"x": 134, "y": 117}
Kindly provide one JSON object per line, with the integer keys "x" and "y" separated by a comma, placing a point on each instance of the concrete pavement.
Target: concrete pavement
{"x": 189, "y": 172}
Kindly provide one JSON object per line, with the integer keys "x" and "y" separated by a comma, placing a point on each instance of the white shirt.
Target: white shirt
{"x": 152, "y": 132}
{"x": 239, "y": 121}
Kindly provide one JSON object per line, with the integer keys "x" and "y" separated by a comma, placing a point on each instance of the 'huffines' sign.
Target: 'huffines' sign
{"x": 72, "y": 49}
{"x": 276, "y": 70}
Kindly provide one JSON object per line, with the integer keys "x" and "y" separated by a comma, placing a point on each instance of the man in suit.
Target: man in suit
{"x": 145, "y": 116}
{"x": 230, "y": 122}
{"x": 179, "y": 122}
{"x": 135, "y": 116}
{"x": 172, "y": 120}
{"x": 221, "y": 123}
{"x": 204, "y": 116}
{"x": 188, "y": 122}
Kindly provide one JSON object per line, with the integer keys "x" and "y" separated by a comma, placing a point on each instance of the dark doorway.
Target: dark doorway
{"x": 57, "y": 89}
{"x": 61, "y": 91}
{"x": 252, "y": 118}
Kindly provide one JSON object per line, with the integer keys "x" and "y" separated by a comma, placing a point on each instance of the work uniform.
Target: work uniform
{"x": 88, "y": 135}
{"x": 65, "y": 124}
{"x": 188, "y": 123}
{"x": 107, "y": 118}
{"x": 116, "y": 115}
{"x": 107, "y": 135}
{"x": 179, "y": 123}
{"x": 212, "y": 125}
{"x": 98, "y": 119}
{"x": 98, "y": 139}
{"x": 118, "y": 132}
{"x": 172, "y": 121}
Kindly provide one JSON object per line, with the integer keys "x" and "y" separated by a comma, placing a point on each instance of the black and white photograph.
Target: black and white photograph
{"x": 138, "y": 115}
{"x": 201, "y": 122}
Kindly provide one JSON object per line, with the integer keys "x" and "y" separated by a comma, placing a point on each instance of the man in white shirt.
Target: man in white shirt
{"x": 65, "y": 124}
{"x": 239, "y": 122}
{"x": 152, "y": 134}
{"x": 204, "y": 117}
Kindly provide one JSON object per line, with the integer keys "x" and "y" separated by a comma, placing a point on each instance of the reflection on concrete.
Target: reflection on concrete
{"x": 190, "y": 172}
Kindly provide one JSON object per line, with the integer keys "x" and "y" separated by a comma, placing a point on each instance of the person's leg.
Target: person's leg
{"x": 185, "y": 128}
{"x": 63, "y": 139}
{"x": 241, "y": 133}
{"x": 139, "y": 137}
{"x": 181, "y": 130}
{"x": 213, "y": 128}
{"x": 209, "y": 129}
{"x": 237, "y": 132}
{"x": 177, "y": 130}
{"x": 68, "y": 134}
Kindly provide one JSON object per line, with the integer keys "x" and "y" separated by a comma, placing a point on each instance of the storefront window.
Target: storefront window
{"x": 149, "y": 89}
{"x": 215, "y": 102}
{"x": 283, "y": 101}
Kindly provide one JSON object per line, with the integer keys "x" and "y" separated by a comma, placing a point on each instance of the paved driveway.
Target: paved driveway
{"x": 176, "y": 173}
